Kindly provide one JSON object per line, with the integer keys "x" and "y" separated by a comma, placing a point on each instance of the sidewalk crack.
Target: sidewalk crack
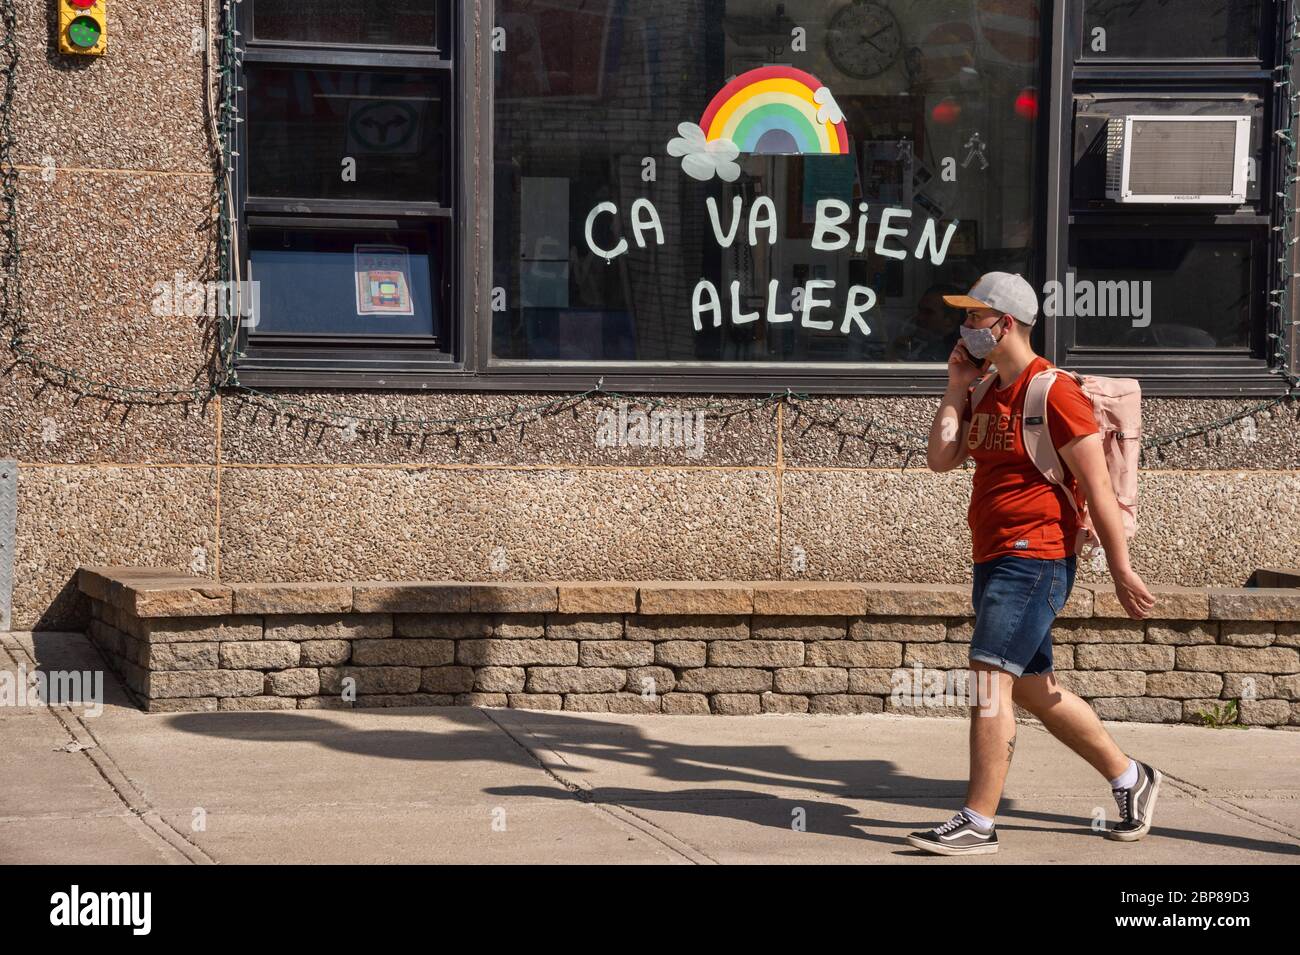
{"x": 118, "y": 782}
{"x": 621, "y": 814}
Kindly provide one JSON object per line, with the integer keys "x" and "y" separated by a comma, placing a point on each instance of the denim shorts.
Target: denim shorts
{"x": 1016, "y": 599}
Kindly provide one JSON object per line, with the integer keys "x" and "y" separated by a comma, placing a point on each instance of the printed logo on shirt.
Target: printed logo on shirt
{"x": 1022, "y": 544}
{"x": 994, "y": 432}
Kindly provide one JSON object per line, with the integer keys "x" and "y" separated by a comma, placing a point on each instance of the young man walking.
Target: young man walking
{"x": 1023, "y": 531}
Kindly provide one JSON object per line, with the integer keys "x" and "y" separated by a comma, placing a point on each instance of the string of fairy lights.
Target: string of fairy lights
{"x": 869, "y": 433}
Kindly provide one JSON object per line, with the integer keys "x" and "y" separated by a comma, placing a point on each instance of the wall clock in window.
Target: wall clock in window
{"x": 864, "y": 39}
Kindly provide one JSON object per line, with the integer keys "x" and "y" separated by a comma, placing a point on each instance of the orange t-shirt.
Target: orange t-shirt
{"x": 1013, "y": 508}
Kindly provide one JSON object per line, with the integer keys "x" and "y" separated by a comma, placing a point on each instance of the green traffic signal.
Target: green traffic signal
{"x": 84, "y": 32}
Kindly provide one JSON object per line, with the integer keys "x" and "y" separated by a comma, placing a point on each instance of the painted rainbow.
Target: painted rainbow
{"x": 771, "y": 109}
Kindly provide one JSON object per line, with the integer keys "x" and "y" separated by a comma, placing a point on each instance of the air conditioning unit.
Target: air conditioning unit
{"x": 1177, "y": 159}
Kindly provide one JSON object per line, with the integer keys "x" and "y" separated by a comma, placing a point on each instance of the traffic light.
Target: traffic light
{"x": 83, "y": 27}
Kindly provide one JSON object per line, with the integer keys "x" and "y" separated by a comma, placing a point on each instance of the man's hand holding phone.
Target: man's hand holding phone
{"x": 963, "y": 368}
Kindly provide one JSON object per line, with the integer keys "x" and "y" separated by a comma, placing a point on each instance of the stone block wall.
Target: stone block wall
{"x": 184, "y": 643}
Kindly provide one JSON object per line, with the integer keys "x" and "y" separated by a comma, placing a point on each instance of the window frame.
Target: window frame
{"x": 1186, "y": 372}
{"x": 269, "y": 358}
{"x": 1161, "y": 364}
{"x": 472, "y": 367}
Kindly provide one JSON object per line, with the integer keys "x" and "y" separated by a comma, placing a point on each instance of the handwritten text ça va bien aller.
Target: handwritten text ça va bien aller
{"x": 828, "y": 236}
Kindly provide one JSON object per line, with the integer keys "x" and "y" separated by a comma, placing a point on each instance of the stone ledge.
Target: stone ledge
{"x": 1172, "y": 601}
{"x": 155, "y": 592}
{"x": 292, "y": 598}
{"x": 594, "y": 597}
{"x": 1255, "y": 603}
{"x": 918, "y": 600}
{"x": 454, "y": 597}
{"x": 797, "y": 599}
{"x": 703, "y": 597}
{"x": 149, "y": 592}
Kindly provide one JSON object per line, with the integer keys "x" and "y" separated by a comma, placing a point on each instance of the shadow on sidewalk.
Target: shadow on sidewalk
{"x": 697, "y": 770}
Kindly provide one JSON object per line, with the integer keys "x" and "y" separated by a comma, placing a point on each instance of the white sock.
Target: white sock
{"x": 982, "y": 823}
{"x": 1126, "y": 779}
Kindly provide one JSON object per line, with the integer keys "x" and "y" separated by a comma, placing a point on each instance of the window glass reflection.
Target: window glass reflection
{"x": 1165, "y": 29}
{"x": 352, "y": 22}
{"x": 345, "y": 134}
{"x": 1160, "y": 291}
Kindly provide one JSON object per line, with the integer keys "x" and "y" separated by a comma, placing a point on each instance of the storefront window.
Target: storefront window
{"x": 1173, "y": 190}
{"x": 754, "y": 181}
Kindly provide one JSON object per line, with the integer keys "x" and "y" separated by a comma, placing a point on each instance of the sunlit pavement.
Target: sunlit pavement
{"x": 457, "y": 784}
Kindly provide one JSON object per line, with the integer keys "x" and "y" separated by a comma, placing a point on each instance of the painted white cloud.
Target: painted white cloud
{"x": 703, "y": 159}
{"x": 828, "y": 111}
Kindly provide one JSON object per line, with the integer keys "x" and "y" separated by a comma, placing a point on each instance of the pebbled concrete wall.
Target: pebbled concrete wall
{"x": 115, "y": 183}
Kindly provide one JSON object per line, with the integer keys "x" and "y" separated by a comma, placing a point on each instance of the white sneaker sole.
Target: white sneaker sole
{"x": 1137, "y": 834}
{"x": 942, "y": 850}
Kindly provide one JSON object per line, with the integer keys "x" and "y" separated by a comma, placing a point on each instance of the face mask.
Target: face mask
{"x": 980, "y": 342}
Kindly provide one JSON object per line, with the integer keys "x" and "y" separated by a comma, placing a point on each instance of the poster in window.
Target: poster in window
{"x": 830, "y": 177}
{"x": 383, "y": 280}
{"x": 887, "y": 172}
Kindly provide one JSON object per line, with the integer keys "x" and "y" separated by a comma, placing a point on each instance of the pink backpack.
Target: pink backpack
{"x": 1117, "y": 406}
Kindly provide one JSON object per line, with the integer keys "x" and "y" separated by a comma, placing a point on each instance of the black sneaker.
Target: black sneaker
{"x": 956, "y": 837}
{"x": 1136, "y": 805}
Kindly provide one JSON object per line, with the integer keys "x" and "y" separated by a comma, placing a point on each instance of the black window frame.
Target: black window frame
{"x": 267, "y": 358}
{"x": 1191, "y": 358}
{"x": 470, "y": 366}
{"x": 1185, "y": 372}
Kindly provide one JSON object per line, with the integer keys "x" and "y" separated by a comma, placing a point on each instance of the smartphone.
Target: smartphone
{"x": 981, "y": 364}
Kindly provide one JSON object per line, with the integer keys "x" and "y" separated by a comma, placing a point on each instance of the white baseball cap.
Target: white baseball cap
{"x": 1008, "y": 293}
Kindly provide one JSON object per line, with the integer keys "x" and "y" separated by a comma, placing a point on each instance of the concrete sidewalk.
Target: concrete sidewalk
{"x": 455, "y": 784}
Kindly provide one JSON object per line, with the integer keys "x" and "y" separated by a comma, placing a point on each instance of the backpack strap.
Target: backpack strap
{"x": 1037, "y": 434}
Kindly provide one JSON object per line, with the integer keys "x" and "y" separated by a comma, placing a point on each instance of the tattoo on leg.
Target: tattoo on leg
{"x": 1011, "y": 748}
